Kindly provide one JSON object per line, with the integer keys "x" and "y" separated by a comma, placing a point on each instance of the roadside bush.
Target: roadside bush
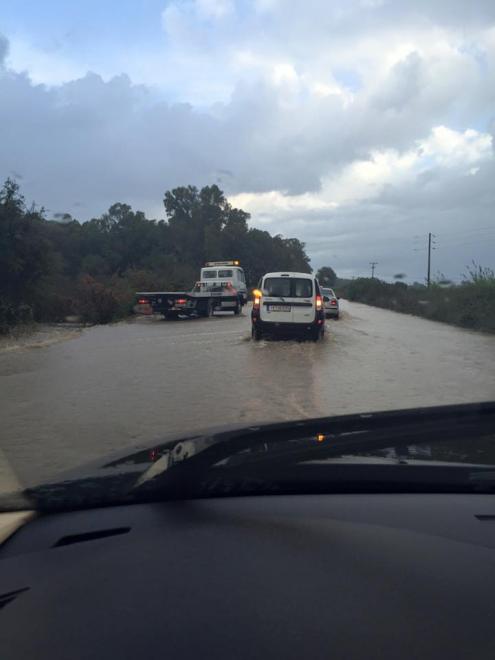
{"x": 54, "y": 300}
{"x": 469, "y": 305}
{"x": 96, "y": 303}
{"x": 12, "y": 315}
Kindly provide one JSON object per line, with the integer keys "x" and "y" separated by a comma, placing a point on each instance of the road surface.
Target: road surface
{"x": 76, "y": 396}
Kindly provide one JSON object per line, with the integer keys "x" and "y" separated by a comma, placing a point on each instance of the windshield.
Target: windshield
{"x": 220, "y": 214}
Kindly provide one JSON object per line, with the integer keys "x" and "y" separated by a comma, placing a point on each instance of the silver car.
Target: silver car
{"x": 330, "y": 303}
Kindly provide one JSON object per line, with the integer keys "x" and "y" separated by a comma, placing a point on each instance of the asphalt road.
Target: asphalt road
{"x": 67, "y": 397}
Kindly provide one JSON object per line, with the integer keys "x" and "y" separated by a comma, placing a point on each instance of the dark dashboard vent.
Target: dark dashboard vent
{"x": 90, "y": 536}
{"x": 7, "y": 598}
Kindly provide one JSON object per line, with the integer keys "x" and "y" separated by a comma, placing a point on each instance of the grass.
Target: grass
{"x": 470, "y": 304}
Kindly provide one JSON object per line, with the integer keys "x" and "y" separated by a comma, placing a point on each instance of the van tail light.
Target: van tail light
{"x": 143, "y": 301}
{"x": 256, "y": 298}
{"x": 319, "y": 302}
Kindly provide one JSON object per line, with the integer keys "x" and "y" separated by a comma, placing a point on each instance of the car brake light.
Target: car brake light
{"x": 319, "y": 302}
{"x": 181, "y": 301}
{"x": 333, "y": 302}
{"x": 143, "y": 301}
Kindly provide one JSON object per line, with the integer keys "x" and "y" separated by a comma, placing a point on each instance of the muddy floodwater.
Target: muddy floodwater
{"x": 73, "y": 396}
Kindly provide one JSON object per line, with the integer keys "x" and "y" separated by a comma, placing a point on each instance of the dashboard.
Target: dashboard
{"x": 299, "y": 576}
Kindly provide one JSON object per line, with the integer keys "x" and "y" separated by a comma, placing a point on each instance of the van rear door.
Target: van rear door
{"x": 287, "y": 300}
{"x": 275, "y": 303}
{"x": 303, "y": 296}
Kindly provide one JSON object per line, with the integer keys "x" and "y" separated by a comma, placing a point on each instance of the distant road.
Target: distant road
{"x": 81, "y": 396}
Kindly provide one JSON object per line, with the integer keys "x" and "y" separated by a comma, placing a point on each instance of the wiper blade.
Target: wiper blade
{"x": 182, "y": 466}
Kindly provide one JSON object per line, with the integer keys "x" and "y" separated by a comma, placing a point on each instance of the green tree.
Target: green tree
{"x": 326, "y": 276}
{"x": 25, "y": 253}
{"x": 93, "y": 268}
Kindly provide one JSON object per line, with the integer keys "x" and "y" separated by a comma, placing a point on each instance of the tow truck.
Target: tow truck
{"x": 221, "y": 287}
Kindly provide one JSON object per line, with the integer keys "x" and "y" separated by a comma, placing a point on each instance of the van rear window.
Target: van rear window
{"x": 289, "y": 287}
{"x": 303, "y": 288}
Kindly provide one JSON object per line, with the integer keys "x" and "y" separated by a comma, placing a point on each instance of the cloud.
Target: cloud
{"x": 373, "y": 208}
{"x": 452, "y": 148}
{"x": 338, "y": 122}
{"x": 44, "y": 66}
{"x": 4, "y": 49}
{"x": 215, "y": 9}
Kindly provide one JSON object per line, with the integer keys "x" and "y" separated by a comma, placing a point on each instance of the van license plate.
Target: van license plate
{"x": 279, "y": 308}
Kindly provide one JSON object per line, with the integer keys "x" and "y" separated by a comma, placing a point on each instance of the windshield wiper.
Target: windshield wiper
{"x": 181, "y": 467}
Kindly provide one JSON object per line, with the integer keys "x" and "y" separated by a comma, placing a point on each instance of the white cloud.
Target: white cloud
{"x": 214, "y": 8}
{"x": 43, "y": 67}
{"x": 451, "y": 148}
{"x": 330, "y": 118}
{"x": 366, "y": 179}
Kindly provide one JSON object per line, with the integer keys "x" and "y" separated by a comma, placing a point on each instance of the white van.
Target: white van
{"x": 288, "y": 303}
{"x": 222, "y": 274}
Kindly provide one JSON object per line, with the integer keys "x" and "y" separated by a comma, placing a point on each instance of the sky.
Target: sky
{"x": 357, "y": 126}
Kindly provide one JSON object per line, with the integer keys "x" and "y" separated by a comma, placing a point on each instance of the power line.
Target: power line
{"x": 469, "y": 230}
{"x": 373, "y": 264}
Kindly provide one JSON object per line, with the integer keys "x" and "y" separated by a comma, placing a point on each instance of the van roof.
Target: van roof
{"x": 222, "y": 268}
{"x": 287, "y": 273}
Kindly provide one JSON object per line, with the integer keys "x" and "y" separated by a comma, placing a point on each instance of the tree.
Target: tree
{"x": 25, "y": 253}
{"x": 58, "y": 268}
{"x": 326, "y": 276}
{"x": 203, "y": 224}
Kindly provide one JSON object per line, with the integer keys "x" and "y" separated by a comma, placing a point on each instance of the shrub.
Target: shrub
{"x": 12, "y": 315}
{"x": 469, "y": 305}
{"x": 95, "y": 303}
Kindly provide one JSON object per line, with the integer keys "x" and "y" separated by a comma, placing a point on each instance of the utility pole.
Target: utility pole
{"x": 373, "y": 264}
{"x": 429, "y": 260}
{"x": 431, "y": 246}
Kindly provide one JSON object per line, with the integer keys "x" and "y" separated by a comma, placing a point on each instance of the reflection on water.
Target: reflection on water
{"x": 121, "y": 386}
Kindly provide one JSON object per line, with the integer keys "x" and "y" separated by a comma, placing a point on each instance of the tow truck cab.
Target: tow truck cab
{"x": 221, "y": 274}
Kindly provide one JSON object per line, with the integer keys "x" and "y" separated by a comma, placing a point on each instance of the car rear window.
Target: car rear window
{"x": 290, "y": 287}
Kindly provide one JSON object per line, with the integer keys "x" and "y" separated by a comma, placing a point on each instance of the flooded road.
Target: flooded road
{"x": 108, "y": 388}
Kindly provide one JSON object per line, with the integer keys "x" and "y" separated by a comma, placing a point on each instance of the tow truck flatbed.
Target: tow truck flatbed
{"x": 213, "y": 292}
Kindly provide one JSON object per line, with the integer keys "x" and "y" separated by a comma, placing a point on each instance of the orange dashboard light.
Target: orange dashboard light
{"x": 320, "y": 437}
